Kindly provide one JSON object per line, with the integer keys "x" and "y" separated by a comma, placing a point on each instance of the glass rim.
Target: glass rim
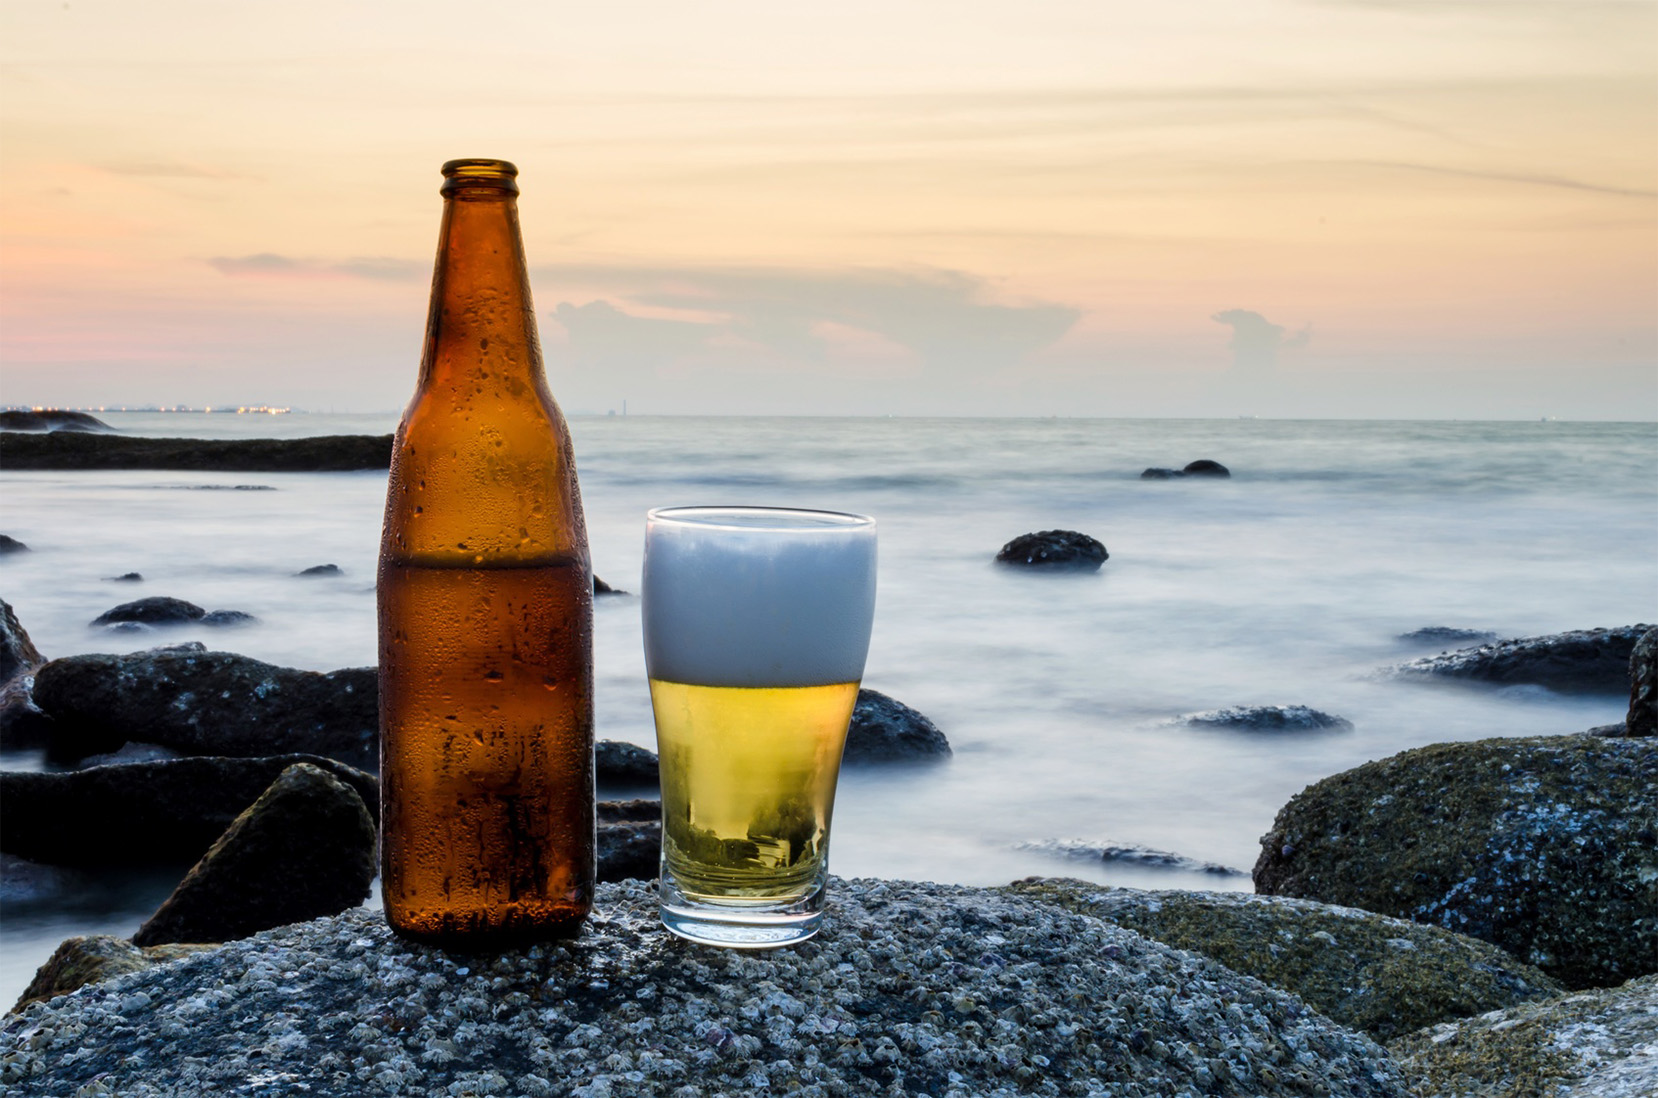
{"x": 809, "y": 520}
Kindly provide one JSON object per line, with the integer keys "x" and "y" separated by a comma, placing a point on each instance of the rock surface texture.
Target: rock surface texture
{"x": 305, "y": 848}
{"x": 1060, "y": 550}
{"x": 209, "y": 703}
{"x": 17, "y": 653}
{"x": 884, "y": 730}
{"x": 1603, "y": 1042}
{"x": 88, "y": 959}
{"x": 1267, "y": 719}
{"x": 909, "y": 990}
{"x": 1580, "y": 660}
{"x": 1384, "y": 976}
{"x": 59, "y": 450}
{"x": 1545, "y": 846}
{"x": 1643, "y": 687}
{"x": 630, "y": 839}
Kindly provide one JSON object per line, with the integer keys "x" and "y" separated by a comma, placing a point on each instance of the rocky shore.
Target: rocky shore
{"x": 39, "y": 449}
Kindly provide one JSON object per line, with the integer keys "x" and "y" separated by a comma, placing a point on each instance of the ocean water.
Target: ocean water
{"x": 1290, "y": 583}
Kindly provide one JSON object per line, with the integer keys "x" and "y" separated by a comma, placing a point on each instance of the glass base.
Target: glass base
{"x": 741, "y": 923}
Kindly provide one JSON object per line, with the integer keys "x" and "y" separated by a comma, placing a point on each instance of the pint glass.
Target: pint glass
{"x": 757, "y": 623}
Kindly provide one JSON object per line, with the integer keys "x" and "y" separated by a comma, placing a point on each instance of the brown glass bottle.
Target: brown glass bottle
{"x": 486, "y": 610}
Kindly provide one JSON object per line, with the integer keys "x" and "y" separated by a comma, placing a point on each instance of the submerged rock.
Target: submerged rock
{"x": 910, "y": 989}
{"x": 27, "y": 883}
{"x": 1603, "y": 1042}
{"x": 321, "y": 570}
{"x": 305, "y": 848}
{"x": 125, "y": 578}
{"x": 1447, "y": 635}
{"x": 1129, "y": 855}
{"x": 88, "y": 959}
{"x": 1578, "y": 660}
{"x": 167, "y": 812}
{"x": 1267, "y": 719}
{"x": 884, "y": 730}
{"x": 1643, "y": 687}
{"x": 1203, "y": 467}
{"x": 1054, "y": 549}
{"x": 209, "y": 703}
{"x": 1545, "y": 846}
{"x": 164, "y": 610}
{"x": 8, "y": 544}
{"x": 1384, "y": 976}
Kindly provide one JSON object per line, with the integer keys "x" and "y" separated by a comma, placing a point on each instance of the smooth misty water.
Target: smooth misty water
{"x": 1287, "y": 584}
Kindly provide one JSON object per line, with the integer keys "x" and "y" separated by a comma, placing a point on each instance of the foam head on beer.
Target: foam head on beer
{"x": 758, "y": 597}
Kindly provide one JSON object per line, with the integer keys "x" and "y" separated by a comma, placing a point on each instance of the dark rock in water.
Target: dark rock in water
{"x": 50, "y": 419}
{"x": 1267, "y": 719}
{"x": 79, "y": 451}
{"x": 619, "y": 763}
{"x": 1588, "y": 1043}
{"x": 910, "y": 989}
{"x": 1579, "y": 660}
{"x": 1158, "y": 473}
{"x": 227, "y": 618}
{"x": 28, "y": 883}
{"x": 304, "y": 849}
{"x": 1643, "y": 687}
{"x": 88, "y": 959}
{"x": 1384, "y": 976}
{"x": 23, "y": 725}
{"x": 133, "y": 751}
{"x": 1545, "y": 846}
{"x": 133, "y": 814}
{"x": 126, "y": 577}
{"x": 630, "y": 839}
{"x": 1205, "y": 467}
{"x": 1447, "y": 635}
{"x": 1054, "y": 549}
{"x": 1130, "y": 855}
{"x": 884, "y": 730}
{"x": 209, "y": 703}
{"x": 601, "y": 588}
{"x": 156, "y": 609}
{"x": 18, "y": 654}
{"x": 8, "y": 544}
{"x": 321, "y": 570}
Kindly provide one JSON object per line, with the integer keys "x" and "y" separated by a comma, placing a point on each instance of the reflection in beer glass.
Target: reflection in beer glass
{"x": 757, "y": 623}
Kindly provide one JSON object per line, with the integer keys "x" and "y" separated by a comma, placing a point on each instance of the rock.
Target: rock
{"x": 50, "y": 419}
{"x": 619, "y": 763}
{"x": 1545, "y": 846}
{"x": 1205, "y": 467}
{"x": 1267, "y": 719}
{"x": 911, "y": 989}
{"x": 601, "y": 588}
{"x": 18, "y": 654}
{"x": 88, "y": 959}
{"x": 78, "y": 451}
{"x": 1158, "y": 473}
{"x": 304, "y": 849}
{"x": 1579, "y": 660}
{"x": 1054, "y": 549}
{"x": 24, "y": 883}
{"x": 163, "y": 609}
{"x": 227, "y": 618}
{"x": 1447, "y": 635}
{"x": 321, "y": 570}
{"x": 1603, "y": 1042}
{"x": 209, "y": 703}
{"x": 8, "y": 544}
{"x": 1384, "y": 976}
{"x": 1643, "y": 687}
{"x": 166, "y": 813}
{"x": 23, "y": 725}
{"x": 1130, "y": 855}
{"x": 125, "y": 578}
{"x": 884, "y": 730}
{"x": 630, "y": 839}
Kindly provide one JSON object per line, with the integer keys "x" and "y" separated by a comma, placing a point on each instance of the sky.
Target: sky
{"x": 1347, "y": 208}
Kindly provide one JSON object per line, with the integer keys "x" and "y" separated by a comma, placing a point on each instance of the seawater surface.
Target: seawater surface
{"x": 1290, "y": 583}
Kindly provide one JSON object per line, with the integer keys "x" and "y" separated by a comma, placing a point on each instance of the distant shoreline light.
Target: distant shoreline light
{"x": 240, "y": 410}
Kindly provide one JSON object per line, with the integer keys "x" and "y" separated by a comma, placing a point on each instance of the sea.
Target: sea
{"x": 1290, "y": 583}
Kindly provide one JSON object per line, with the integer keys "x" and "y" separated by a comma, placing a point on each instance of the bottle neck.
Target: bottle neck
{"x": 481, "y": 324}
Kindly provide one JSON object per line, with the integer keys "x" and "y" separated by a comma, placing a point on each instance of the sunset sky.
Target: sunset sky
{"x": 1056, "y": 207}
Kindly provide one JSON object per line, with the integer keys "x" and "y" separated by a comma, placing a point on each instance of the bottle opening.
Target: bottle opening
{"x": 479, "y": 176}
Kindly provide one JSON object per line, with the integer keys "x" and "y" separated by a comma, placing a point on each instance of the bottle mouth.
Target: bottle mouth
{"x": 479, "y": 176}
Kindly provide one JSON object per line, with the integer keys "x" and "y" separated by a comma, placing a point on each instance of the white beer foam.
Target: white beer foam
{"x": 752, "y": 597}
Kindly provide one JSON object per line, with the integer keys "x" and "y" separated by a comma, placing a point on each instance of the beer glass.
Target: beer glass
{"x": 757, "y": 623}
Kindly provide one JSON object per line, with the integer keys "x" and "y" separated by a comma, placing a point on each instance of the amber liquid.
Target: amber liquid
{"x": 487, "y": 750}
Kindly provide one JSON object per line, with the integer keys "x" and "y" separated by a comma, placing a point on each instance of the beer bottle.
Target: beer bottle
{"x": 486, "y": 610}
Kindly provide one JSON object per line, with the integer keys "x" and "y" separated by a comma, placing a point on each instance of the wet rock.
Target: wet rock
{"x": 18, "y": 654}
{"x": 8, "y": 544}
{"x": 1054, "y": 549}
{"x": 630, "y": 839}
{"x": 1544, "y": 846}
{"x": 321, "y": 570}
{"x": 1447, "y": 635}
{"x": 23, "y": 725}
{"x": 227, "y": 618}
{"x": 304, "y": 849}
{"x": 1205, "y": 467}
{"x": 164, "y": 610}
{"x": 1384, "y": 976}
{"x": 601, "y": 588}
{"x": 88, "y": 959}
{"x": 1127, "y": 855}
{"x": 1643, "y": 687}
{"x": 209, "y": 703}
{"x": 884, "y": 730}
{"x": 1579, "y": 660}
{"x": 159, "y": 813}
{"x": 84, "y": 451}
{"x": 50, "y": 419}
{"x": 1603, "y": 1042}
{"x": 1267, "y": 719}
{"x": 24, "y": 883}
{"x": 619, "y": 763}
{"x": 1159, "y": 473}
{"x": 125, "y": 578}
{"x": 910, "y": 989}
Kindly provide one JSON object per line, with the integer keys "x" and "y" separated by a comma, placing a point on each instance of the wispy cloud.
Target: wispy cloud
{"x": 1530, "y": 178}
{"x": 272, "y": 265}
